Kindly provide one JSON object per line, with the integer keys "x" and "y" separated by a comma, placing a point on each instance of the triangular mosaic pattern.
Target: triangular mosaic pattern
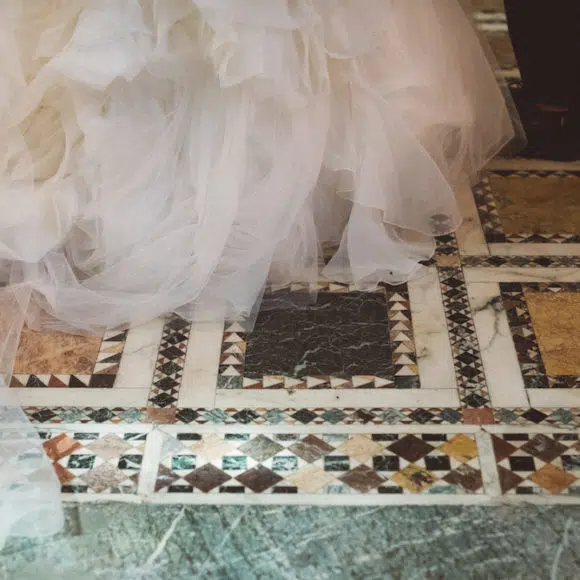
{"x": 538, "y": 463}
{"x": 244, "y": 463}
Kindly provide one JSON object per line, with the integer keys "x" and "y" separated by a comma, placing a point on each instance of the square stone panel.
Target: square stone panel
{"x": 341, "y": 335}
{"x": 537, "y": 204}
{"x": 56, "y": 353}
{"x": 556, "y": 321}
{"x": 338, "y": 338}
{"x": 544, "y": 321}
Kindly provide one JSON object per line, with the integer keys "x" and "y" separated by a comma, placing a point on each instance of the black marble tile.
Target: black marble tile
{"x": 342, "y": 334}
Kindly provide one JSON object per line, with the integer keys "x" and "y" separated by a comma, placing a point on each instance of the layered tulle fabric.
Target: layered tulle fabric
{"x": 176, "y": 155}
{"x": 159, "y": 155}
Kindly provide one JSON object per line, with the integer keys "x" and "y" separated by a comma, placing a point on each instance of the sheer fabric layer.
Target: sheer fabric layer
{"x": 174, "y": 155}
{"x": 159, "y": 155}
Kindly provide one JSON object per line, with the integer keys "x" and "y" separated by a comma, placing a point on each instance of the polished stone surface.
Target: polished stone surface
{"x": 138, "y": 542}
{"x": 341, "y": 335}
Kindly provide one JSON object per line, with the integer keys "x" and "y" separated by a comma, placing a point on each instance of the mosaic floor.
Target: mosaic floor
{"x": 462, "y": 386}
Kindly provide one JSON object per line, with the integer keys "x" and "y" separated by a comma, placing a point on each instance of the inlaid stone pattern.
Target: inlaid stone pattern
{"x": 56, "y": 360}
{"x": 345, "y": 339}
{"x": 96, "y": 462}
{"x": 538, "y": 463}
{"x": 520, "y": 206}
{"x": 291, "y": 463}
{"x": 469, "y": 372}
{"x": 170, "y": 363}
{"x": 544, "y": 319}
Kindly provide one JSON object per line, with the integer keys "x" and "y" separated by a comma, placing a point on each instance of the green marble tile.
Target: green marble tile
{"x": 140, "y": 542}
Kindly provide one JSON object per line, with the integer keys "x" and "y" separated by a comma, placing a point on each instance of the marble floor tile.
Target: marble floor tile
{"x": 458, "y": 387}
{"x": 304, "y": 463}
{"x": 517, "y": 207}
{"x": 544, "y": 321}
{"x": 95, "y": 462}
{"x": 538, "y": 463}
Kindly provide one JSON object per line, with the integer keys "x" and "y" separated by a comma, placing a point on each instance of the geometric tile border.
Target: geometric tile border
{"x": 287, "y": 416}
{"x": 369, "y": 464}
{"x": 555, "y": 417}
{"x": 96, "y": 463}
{"x": 170, "y": 363}
{"x": 402, "y": 345}
{"x": 521, "y": 261}
{"x": 491, "y": 220}
{"x": 522, "y": 329}
{"x": 103, "y": 376}
{"x": 470, "y": 377}
{"x": 538, "y": 463}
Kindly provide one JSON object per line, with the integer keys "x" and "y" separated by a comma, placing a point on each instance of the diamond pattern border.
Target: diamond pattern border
{"x": 405, "y": 369}
{"x": 540, "y": 463}
{"x": 490, "y": 217}
{"x": 522, "y": 328}
{"x": 380, "y": 463}
{"x": 556, "y": 417}
{"x": 469, "y": 372}
{"x": 103, "y": 376}
{"x": 170, "y": 363}
{"x": 96, "y": 463}
{"x": 521, "y": 261}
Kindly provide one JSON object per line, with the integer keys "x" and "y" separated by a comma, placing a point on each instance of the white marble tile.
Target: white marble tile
{"x": 47, "y": 397}
{"x": 198, "y": 387}
{"x": 355, "y": 398}
{"x": 140, "y": 355}
{"x": 554, "y": 397}
{"x": 517, "y": 274}
{"x": 470, "y": 236}
{"x": 488, "y": 464}
{"x": 500, "y": 361}
{"x": 525, "y": 249}
{"x": 434, "y": 356}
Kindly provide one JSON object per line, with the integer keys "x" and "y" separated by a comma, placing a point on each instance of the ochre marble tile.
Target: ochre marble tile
{"x": 56, "y": 353}
{"x": 537, "y": 204}
{"x": 556, "y": 321}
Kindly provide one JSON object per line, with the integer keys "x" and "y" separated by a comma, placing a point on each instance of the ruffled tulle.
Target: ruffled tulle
{"x": 174, "y": 155}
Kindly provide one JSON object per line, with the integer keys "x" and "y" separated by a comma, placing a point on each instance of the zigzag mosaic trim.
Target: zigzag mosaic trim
{"x": 170, "y": 363}
{"x": 521, "y": 261}
{"x": 470, "y": 376}
{"x": 405, "y": 370}
{"x": 529, "y": 356}
{"x": 491, "y": 220}
{"x": 103, "y": 376}
{"x": 557, "y": 417}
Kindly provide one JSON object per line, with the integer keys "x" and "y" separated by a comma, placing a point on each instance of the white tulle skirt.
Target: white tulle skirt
{"x": 177, "y": 155}
{"x": 174, "y": 155}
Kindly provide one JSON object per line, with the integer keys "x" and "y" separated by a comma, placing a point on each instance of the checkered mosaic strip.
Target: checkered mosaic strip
{"x": 469, "y": 372}
{"x": 241, "y": 463}
{"x": 524, "y": 336}
{"x": 491, "y": 219}
{"x": 103, "y": 376}
{"x": 521, "y": 261}
{"x": 538, "y": 463}
{"x": 556, "y": 417}
{"x": 170, "y": 363}
{"x": 404, "y": 358}
{"x": 96, "y": 462}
